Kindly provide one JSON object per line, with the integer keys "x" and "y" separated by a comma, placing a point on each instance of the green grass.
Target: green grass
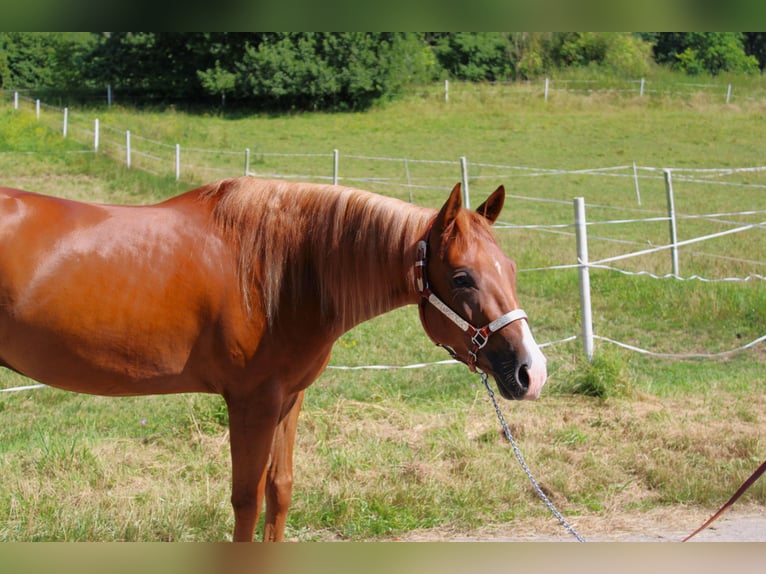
{"x": 383, "y": 453}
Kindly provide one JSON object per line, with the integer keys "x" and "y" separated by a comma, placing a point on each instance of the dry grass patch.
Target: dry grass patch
{"x": 593, "y": 458}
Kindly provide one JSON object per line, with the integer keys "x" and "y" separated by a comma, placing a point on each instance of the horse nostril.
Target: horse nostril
{"x": 522, "y": 376}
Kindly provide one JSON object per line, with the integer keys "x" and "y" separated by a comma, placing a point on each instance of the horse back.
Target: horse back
{"x": 113, "y": 299}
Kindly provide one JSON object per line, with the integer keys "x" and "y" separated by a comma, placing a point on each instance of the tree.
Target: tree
{"x": 474, "y": 56}
{"x": 323, "y": 70}
{"x": 698, "y": 52}
{"x": 218, "y": 81}
{"x": 42, "y": 59}
{"x": 755, "y": 45}
{"x": 623, "y": 54}
{"x": 531, "y": 53}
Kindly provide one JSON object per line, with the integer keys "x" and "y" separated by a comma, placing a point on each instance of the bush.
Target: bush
{"x": 605, "y": 376}
{"x": 699, "y": 52}
{"x": 475, "y": 56}
{"x": 622, "y": 54}
{"x": 312, "y": 71}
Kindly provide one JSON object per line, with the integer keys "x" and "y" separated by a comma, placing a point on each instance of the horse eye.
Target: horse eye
{"x": 462, "y": 280}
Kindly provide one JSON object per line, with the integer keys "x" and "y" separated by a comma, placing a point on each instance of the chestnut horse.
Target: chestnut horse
{"x": 240, "y": 288}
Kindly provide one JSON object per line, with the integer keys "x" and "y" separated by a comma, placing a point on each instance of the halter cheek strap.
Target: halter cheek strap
{"x": 479, "y": 337}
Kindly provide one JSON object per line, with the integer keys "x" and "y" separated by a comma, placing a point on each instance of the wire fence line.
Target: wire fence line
{"x": 642, "y": 87}
{"x": 119, "y": 146}
{"x": 170, "y": 154}
{"x": 544, "y": 88}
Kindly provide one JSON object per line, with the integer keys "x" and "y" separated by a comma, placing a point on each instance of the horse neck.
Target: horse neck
{"x": 332, "y": 256}
{"x": 370, "y": 268}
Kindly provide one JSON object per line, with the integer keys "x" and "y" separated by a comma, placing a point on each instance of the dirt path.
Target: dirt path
{"x": 743, "y": 524}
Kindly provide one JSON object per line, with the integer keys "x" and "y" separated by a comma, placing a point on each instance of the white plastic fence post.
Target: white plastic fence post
{"x": 95, "y": 136}
{"x": 446, "y": 91}
{"x": 635, "y": 178}
{"x": 643, "y": 83}
{"x": 178, "y": 162}
{"x": 728, "y": 94}
{"x": 409, "y": 182}
{"x": 672, "y": 219}
{"x": 586, "y": 315}
{"x": 127, "y": 148}
{"x": 247, "y": 161}
{"x": 335, "y": 161}
{"x": 37, "y": 109}
{"x": 66, "y": 121}
{"x": 15, "y": 100}
{"x": 464, "y": 179}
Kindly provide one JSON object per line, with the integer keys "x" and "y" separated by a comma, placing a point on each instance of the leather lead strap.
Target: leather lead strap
{"x": 745, "y": 485}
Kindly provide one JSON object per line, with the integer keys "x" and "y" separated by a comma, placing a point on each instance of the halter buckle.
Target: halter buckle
{"x": 480, "y": 339}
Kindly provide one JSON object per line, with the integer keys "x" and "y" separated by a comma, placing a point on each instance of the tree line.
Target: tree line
{"x": 342, "y": 70}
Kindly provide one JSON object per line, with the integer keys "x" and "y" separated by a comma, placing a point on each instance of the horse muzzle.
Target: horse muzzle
{"x": 519, "y": 375}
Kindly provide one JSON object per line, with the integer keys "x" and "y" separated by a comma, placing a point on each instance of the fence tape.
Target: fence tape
{"x": 683, "y": 355}
{"x": 24, "y": 388}
{"x": 543, "y": 345}
{"x": 678, "y": 244}
{"x": 391, "y": 367}
{"x": 677, "y": 278}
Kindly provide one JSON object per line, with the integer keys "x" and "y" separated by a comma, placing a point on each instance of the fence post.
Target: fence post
{"x": 643, "y": 83}
{"x": 546, "y": 89}
{"x": 464, "y": 179}
{"x": 109, "y": 95}
{"x": 178, "y": 162}
{"x": 409, "y": 182}
{"x": 127, "y": 148}
{"x": 335, "y": 160}
{"x": 446, "y": 91}
{"x": 247, "y": 161}
{"x": 635, "y": 179}
{"x": 37, "y": 109}
{"x": 728, "y": 94}
{"x": 15, "y": 100}
{"x": 66, "y": 120}
{"x": 584, "y": 273}
{"x": 95, "y": 136}
{"x": 672, "y": 219}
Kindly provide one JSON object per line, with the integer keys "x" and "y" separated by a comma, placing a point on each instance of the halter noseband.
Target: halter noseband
{"x": 479, "y": 337}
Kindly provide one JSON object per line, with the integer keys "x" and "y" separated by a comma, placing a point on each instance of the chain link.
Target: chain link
{"x": 522, "y": 462}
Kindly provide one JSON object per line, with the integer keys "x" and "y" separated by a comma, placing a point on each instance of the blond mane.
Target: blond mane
{"x": 297, "y": 238}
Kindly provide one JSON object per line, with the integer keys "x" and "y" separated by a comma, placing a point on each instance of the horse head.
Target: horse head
{"x": 468, "y": 297}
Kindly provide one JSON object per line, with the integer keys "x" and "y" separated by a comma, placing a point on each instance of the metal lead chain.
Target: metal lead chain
{"x": 522, "y": 462}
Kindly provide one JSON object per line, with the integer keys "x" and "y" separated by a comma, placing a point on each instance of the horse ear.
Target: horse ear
{"x": 493, "y": 206}
{"x": 449, "y": 209}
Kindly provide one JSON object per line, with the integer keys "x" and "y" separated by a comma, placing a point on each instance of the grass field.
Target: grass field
{"x": 383, "y": 453}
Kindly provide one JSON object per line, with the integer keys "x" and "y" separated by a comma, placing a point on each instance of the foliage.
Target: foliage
{"x": 328, "y": 70}
{"x": 341, "y": 70}
{"x": 217, "y": 80}
{"x": 474, "y": 56}
{"x": 712, "y": 52}
{"x": 622, "y": 54}
{"x": 755, "y": 45}
{"x": 531, "y": 53}
{"x": 160, "y": 65}
{"x": 603, "y": 377}
{"x": 42, "y": 59}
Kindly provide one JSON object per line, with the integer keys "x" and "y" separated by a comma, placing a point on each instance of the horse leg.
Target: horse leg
{"x": 251, "y": 428}
{"x": 279, "y": 480}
